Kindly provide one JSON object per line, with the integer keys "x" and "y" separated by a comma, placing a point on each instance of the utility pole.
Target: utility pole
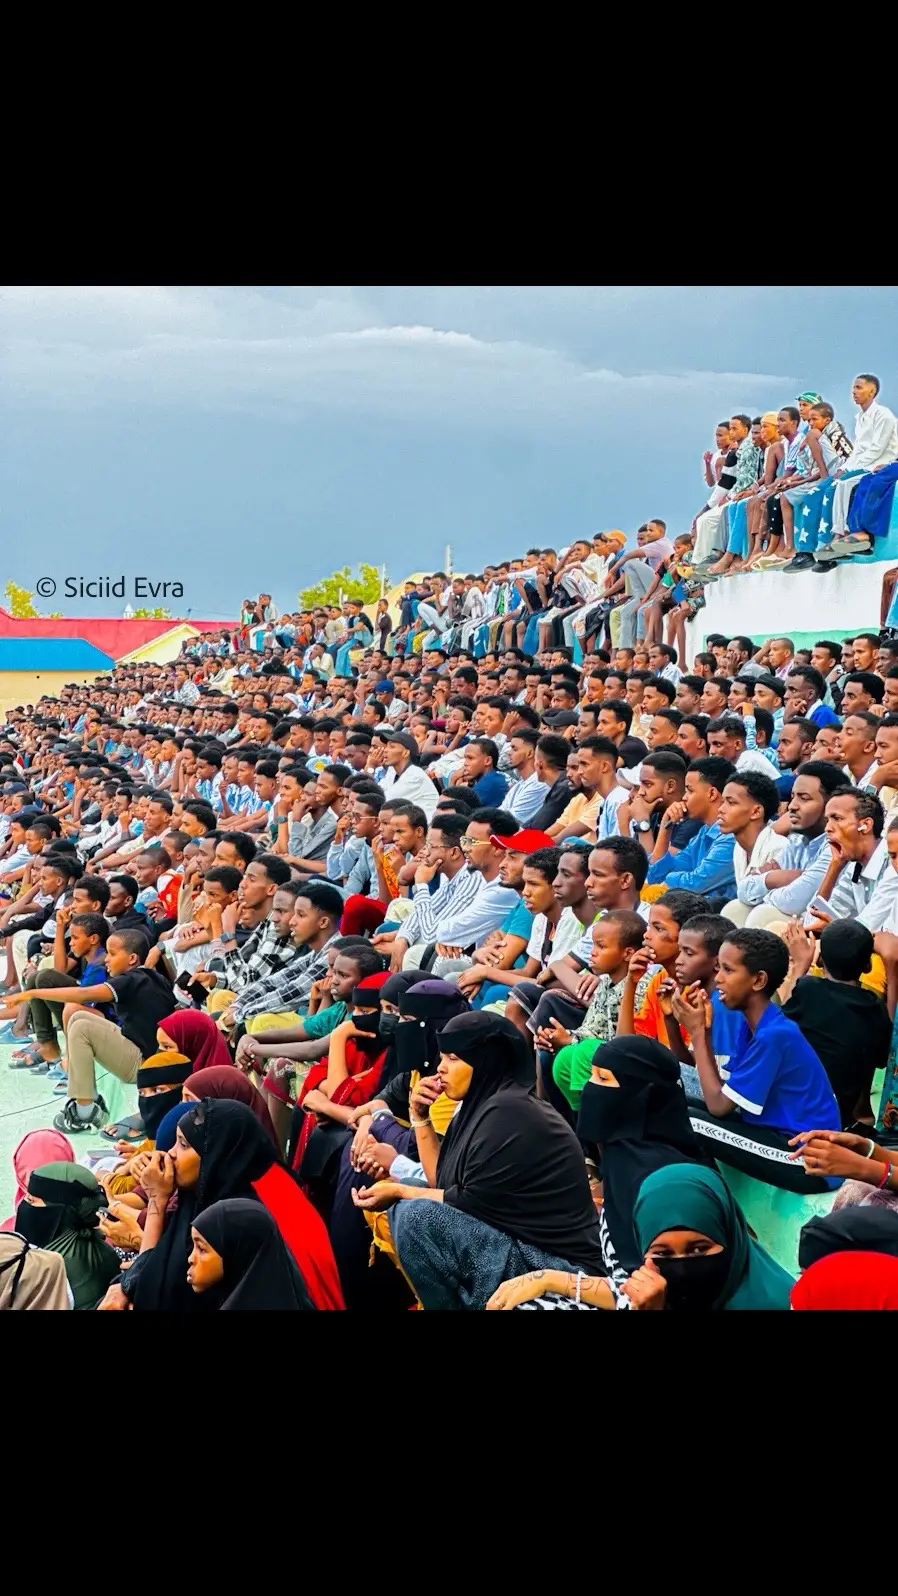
{"x": 447, "y": 559}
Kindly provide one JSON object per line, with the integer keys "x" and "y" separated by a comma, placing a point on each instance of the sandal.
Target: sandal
{"x": 852, "y": 543}
{"x": 24, "y": 1061}
{"x": 121, "y": 1132}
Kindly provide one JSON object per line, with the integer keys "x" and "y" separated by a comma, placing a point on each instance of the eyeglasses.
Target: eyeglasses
{"x": 467, "y": 843}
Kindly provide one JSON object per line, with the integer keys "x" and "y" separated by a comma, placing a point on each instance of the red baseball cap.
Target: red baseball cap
{"x": 524, "y": 842}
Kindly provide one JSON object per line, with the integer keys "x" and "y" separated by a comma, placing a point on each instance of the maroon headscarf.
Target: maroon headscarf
{"x": 197, "y": 1036}
{"x": 225, "y": 1080}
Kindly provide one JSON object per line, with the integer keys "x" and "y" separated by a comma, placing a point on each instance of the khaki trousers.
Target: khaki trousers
{"x": 93, "y": 1040}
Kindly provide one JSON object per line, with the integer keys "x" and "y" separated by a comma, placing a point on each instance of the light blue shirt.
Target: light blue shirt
{"x": 810, "y": 855}
{"x": 748, "y": 722}
{"x": 704, "y": 865}
{"x": 208, "y": 790}
{"x": 483, "y": 915}
{"x": 341, "y": 856}
{"x": 607, "y": 825}
{"x": 524, "y": 798}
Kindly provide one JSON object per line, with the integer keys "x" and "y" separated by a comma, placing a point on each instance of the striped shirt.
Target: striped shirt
{"x": 430, "y": 908}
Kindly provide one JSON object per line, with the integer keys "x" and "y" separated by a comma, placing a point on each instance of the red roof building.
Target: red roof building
{"x": 112, "y": 635}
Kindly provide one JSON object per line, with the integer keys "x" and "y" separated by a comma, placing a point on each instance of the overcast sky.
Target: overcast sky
{"x": 237, "y": 439}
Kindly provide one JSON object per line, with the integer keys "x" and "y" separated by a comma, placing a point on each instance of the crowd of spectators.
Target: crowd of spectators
{"x": 485, "y": 955}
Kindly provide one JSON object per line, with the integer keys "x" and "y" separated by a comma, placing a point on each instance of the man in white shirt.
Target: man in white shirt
{"x": 404, "y": 777}
{"x": 860, "y": 882}
{"x": 473, "y": 611}
{"x": 485, "y": 913}
{"x": 526, "y": 795}
{"x": 434, "y": 613}
{"x": 875, "y": 445}
{"x": 663, "y": 661}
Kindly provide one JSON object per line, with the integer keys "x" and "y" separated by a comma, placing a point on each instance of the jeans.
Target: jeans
{"x": 457, "y": 1262}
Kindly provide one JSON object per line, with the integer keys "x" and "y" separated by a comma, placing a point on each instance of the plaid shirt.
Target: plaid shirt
{"x": 261, "y": 955}
{"x": 287, "y": 988}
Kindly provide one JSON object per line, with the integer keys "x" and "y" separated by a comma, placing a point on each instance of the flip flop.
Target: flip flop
{"x": 123, "y": 1133}
{"x": 26, "y": 1061}
{"x": 852, "y": 543}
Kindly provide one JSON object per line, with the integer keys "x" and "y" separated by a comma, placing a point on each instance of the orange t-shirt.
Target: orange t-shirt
{"x": 648, "y": 1015}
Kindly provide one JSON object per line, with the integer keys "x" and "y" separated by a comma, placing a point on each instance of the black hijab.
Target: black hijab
{"x": 426, "y": 1007}
{"x": 393, "y": 991}
{"x": 854, "y": 1229}
{"x": 234, "y": 1150}
{"x": 509, "y": 1159}
{"x": 258, "y": 1270}
{"x": 640, "y": 1125}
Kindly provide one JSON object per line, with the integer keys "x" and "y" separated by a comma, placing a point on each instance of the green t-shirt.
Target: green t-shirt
{"x": 325, "y": 1021}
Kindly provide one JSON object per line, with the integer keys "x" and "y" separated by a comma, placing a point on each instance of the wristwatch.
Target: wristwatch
{"x": 643, "y": 825}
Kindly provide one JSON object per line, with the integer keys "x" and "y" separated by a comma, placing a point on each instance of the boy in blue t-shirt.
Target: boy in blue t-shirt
{"x": 774, "y": 1076}
{"x": 79, "y": 955}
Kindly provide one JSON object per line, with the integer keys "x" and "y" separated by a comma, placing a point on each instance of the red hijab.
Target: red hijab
{"x": 225, "y": 1080}
{"x": 197, "y": 1036}
{"x": 849, "y": 1280}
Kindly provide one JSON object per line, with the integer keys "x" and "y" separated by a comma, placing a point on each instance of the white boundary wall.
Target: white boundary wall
{"x": 769, "y": 604}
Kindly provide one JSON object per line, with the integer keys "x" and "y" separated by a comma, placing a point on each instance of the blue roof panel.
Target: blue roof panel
{"x": 52, "y": 654}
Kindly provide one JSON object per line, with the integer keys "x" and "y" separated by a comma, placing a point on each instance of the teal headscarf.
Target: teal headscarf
{"x": 68, "y": 1225}
{"x": 695, "y": 1198}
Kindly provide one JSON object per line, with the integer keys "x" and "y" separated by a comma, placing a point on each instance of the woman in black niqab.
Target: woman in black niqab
{"x": 639, "y": 1125}
{"x": 425, "y": 1005}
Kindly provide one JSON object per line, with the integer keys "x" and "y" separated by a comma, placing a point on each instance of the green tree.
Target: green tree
{"x": 158, "y": 614}
{"x": 365, "y": 586}
{"x": 19, "y": 602}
